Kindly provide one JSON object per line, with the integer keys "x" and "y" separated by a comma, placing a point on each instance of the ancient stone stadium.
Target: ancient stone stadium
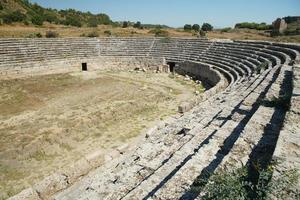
{"x": 248, "y": 115}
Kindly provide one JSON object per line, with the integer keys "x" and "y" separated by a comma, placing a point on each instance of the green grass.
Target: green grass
{"x": 281, "y": 102}
{"x": 165, "y": 40}
{"x": 261, "y": 67}
{"x": 235, "y": 184}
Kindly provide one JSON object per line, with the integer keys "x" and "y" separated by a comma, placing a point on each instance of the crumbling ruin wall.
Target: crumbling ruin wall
{"x": 207, "y": 75}
{"x": 200, "y": 71}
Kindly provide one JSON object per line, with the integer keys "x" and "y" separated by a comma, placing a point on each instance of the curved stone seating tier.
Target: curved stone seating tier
{"x": 247, "y": 70}
{"x": 259, "y": 49}
{"x": 228, "y": 128}
{"x": 290, "y": 49}
{"x": 234, "y": 73}
{"x": 252, "y": 54}
{"x": 232, "y": 57}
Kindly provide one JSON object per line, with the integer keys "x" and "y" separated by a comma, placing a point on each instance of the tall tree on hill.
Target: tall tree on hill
{"x": 207, "y": 27}
{"x": 187, "y": 27}
{"x": 196, "y": 27}
{"x": 138, "y": 25}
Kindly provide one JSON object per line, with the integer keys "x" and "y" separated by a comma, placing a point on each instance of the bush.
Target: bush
{"x": 159, "y": 32}
{"x": 235, "y": 185}
{"x": 125, "y": 25}
{"x": 51, "y": 34}
{"x": 207, "y": 27}
{"x": 262, "y": 66}
{"x": 73, "y": 21}
{"x": 103, "y": 19}
{"x": 226, "y": 30}
{"x": 7, "y": 19}
{"x": 108, "y": 33}
{"x": 196, "y": 34}
{"x": 35, "y": 35}
{"x": 37, "y": 20}
{"x": 93, "y": 34}
{"x": 290, "y": 19}
{"x": 50, "y": 17}
{"x": 281, "y": 102}
{"x": 202, "y": 33}
{"x": 196, "y": 27}
{"x": 138, "y": 25}
{"x": 187, "y": 27}
{"x": 165, "y": 40}
{"x": 15, "y": 16}
{"x": 92, "y": 22}
{"x": 256, "y": 26}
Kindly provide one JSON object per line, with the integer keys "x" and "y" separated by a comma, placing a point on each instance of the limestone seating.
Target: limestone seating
{"x": 176, "y": 188}
{"x": 207, "y": 138}
{"x": 246, "y": 70}
{"x": 122, "y": 190}
{"x": 224, "y": 135}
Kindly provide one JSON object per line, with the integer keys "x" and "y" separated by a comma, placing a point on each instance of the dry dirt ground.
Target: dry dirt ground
{"x": 50, "y": 121}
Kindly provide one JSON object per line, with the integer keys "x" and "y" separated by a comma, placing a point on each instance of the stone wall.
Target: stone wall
{"x": 124, "y": 63}
{"x": 201, "y": 71}
{"x": 206, "y": 74}
{"x": 75, "y": 65}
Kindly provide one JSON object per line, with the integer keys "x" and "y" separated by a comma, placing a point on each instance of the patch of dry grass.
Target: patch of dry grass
{"x": 50, "y": 121}
{"x": 20, "y": 31}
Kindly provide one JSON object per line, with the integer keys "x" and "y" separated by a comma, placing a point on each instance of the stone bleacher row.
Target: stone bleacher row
{"x": 230, "y": 128}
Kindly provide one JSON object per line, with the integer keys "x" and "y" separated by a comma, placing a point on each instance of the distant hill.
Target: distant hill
{"x": 25, "y": 12}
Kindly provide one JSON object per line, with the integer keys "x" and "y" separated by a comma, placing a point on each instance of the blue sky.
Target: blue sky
{"x": 220, "y": 13}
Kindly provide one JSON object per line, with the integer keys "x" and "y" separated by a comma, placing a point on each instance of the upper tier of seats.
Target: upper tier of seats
{"x": 235, "y": 59}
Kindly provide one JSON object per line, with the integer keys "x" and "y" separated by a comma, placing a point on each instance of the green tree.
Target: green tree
{"x": 50, "y": 17}
{"x": 187, "y": 27}
{"x": 138, "y": 25}
{"x": 37, "y": 20}
{"x": 196, "y": 27}
{"x": 207, "y": 27}
{"x": 73, "y": 21}
{"x": 256, "y": 26}
{"x": 159, "y": 32}
{"x": 103, "y": 19}
{"x": 15, "y": 16}
{"x": 92, "y": 22}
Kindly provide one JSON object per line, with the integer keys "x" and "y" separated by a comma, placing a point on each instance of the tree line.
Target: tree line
{"x": 197, "y": 28}
{"x": 37, "y": 15}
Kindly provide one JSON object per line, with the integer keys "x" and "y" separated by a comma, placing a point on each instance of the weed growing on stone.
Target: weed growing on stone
{"x": 235, "y": 184}
{"x": 261, "y": 67}
{"x": 281, "y": 102}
